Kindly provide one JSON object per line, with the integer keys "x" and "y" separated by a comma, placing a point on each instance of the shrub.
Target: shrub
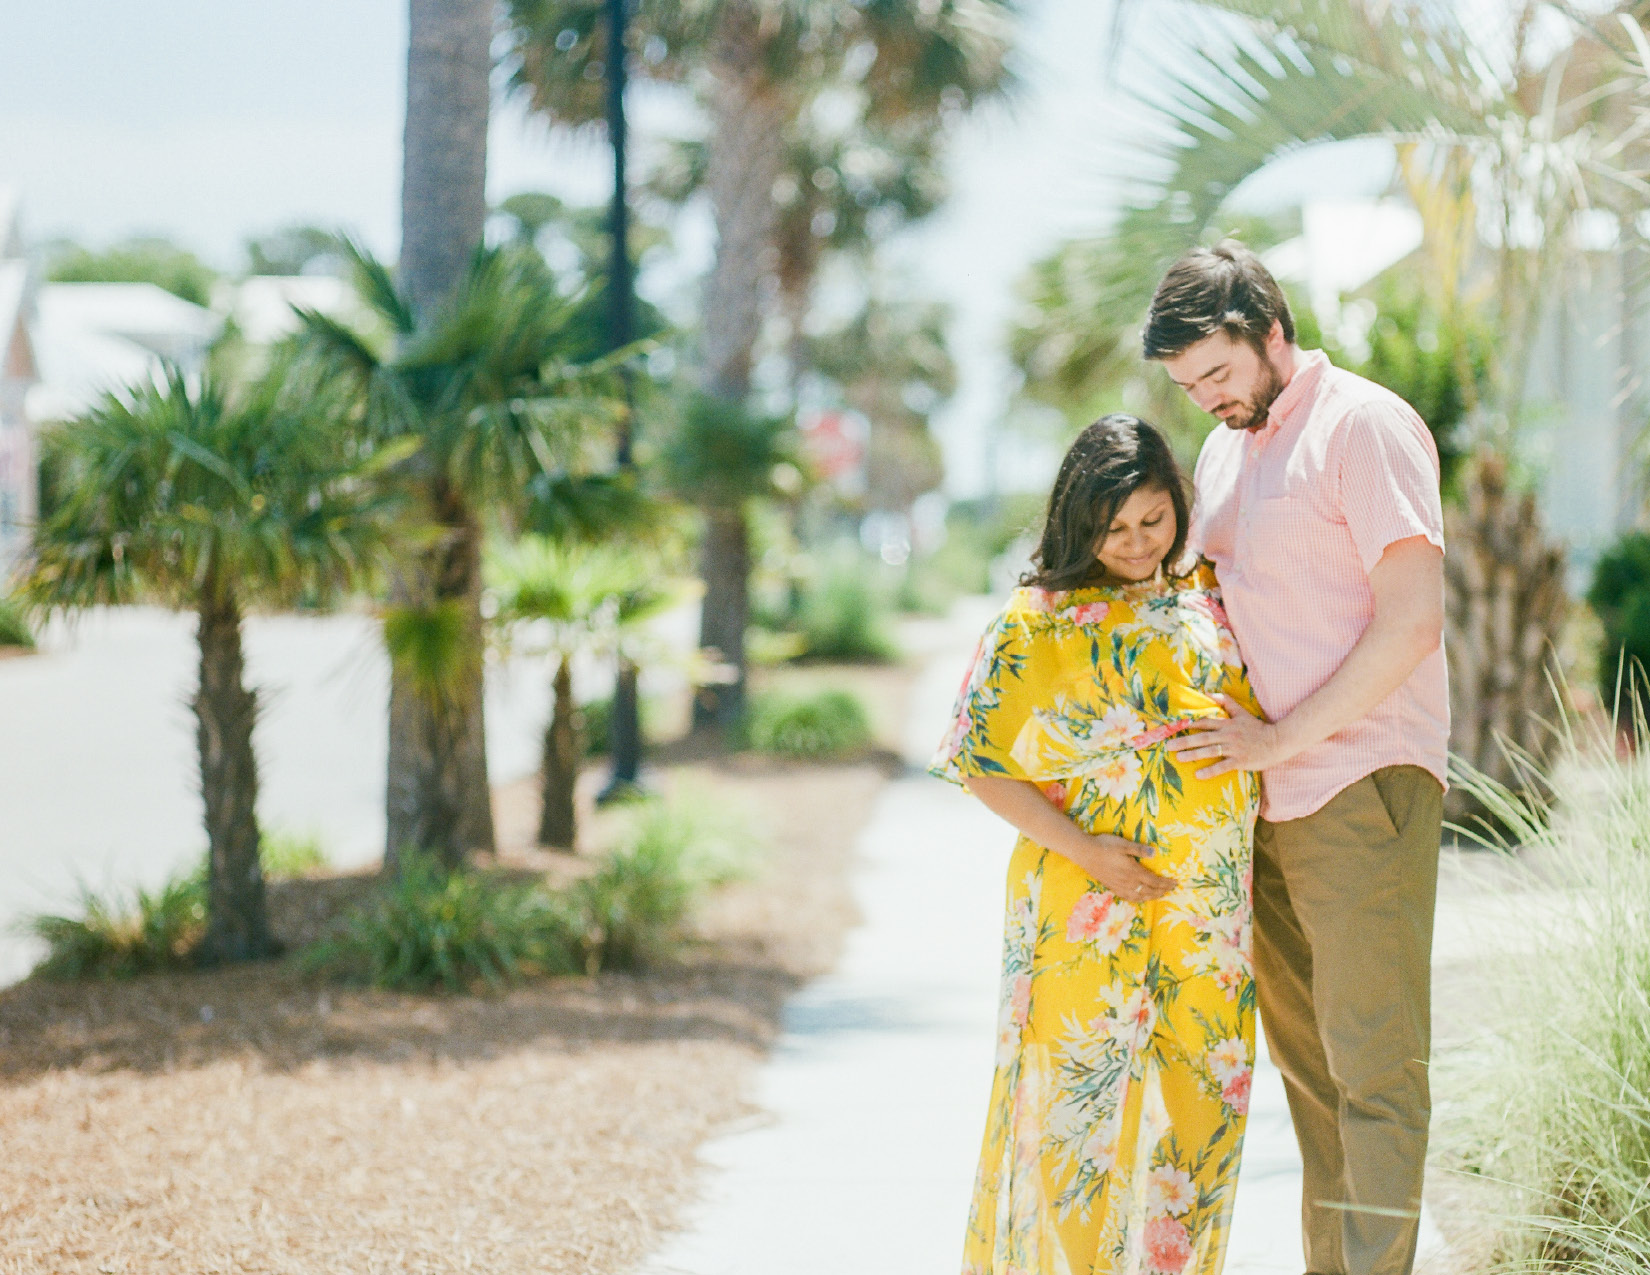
{"x": 633, "y": 908}
{"x": 826, "y": 725}
{"x": 1620, "y": 594}
{"x": 14, "y": 629}
{"x": 1552, "y": 1108}
{"x": 119, "y": 938}
{"x": 454, "y": 930}
{"x": 844, "y": 616}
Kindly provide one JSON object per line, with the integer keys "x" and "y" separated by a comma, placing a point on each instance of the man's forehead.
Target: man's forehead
{"x": 1196, "y": 361}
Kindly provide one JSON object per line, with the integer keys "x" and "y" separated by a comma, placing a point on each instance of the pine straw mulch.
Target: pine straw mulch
{"x": 256, "y": 1120}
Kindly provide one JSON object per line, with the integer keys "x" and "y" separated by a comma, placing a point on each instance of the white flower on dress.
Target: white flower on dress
{"x": 1116, "y": 727}
{"x": 1228, "y": 1058}
{"x": 1169, "y": 1191}
{"x": 1118, "y": 777}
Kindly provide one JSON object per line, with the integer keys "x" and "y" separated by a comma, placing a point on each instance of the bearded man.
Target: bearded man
{"x": 1318, "y": 502}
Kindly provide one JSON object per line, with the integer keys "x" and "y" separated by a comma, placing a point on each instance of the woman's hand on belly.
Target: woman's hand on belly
{"x": 1111, "y": 860}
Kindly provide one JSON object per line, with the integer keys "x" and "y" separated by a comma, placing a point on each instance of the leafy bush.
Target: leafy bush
{"x": 1568, "y": 1179}
{"x": 1620, "y": 594}
{"x": 454, "y": 930}
{"x": 845, "y": 616}
{"x": 14, "y": 629}
{"x": 828, "y": 724}
{"x": 119, "y": 938}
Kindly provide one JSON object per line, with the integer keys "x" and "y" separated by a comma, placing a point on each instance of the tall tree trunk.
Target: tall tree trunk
{"x": 237, "y": 922}
{"x": 750, "y": 116}
{"x": 444, "y": 145}
{"x": 1505, "y": 606}
{"x": 558, "y": 822}
{"x": 725, "y": 567}
{"x": 443, "y": 217}
{"x": 430, "y": 792}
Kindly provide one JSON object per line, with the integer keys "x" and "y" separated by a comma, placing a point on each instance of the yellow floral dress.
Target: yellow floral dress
{"x": 1126, "y": 1035}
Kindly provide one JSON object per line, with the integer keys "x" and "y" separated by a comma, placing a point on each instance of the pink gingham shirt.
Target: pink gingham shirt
{"x": 1294, "y": 516}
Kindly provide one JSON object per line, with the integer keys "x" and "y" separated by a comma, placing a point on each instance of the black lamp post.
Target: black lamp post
{"x": 626, "y": 737}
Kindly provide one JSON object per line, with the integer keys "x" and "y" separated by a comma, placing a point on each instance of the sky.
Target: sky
{"x": 209, "y": 122}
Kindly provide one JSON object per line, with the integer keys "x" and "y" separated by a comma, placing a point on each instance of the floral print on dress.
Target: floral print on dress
{"x": 1125, "y": 1047}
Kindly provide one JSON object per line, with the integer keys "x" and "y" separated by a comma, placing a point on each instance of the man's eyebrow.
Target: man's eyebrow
{"x": 1186, "y": 385}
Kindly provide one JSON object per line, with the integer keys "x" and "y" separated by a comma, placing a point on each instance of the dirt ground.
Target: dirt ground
{"x": 258, "y": 1120}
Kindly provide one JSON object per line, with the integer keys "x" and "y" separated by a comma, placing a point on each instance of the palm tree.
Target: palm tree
{"x": 763, "y": 62}
{"x": 1506, "y": 142}
{"x": 504, "y": 426}
{"x": 594, "y": 599}
{"x": 443, "y": 216}
{"x": 723, "y": 457}
{"x": 215, "y": 499}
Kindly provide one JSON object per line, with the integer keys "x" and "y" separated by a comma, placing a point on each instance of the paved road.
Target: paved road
{"x": 98, "y": 763}
{"x": 874, "y": 1101}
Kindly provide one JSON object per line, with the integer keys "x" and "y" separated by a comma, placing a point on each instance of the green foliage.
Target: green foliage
{"x": 720, "y": 454}
{"x": 454, "y": 930}
{"x": 155, "y": 261}
{"x": 252, "y": 488}
{"x": 825, "y": 726}
{"x": 844, "y": 616}
{"x": 14, "y": 625}
{"x": 120, "y": 937}
{"x": 291, "y": 854}
{"x": 1568, "y": 1044}
{"x": 1620, "y": 594}
{"x": 1440, "y": 368}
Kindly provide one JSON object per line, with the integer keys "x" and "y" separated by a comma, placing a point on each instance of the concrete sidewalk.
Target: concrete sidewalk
{"x": 874, "y": 1102}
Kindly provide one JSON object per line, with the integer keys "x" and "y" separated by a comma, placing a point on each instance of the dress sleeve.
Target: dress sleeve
{"x": 1388, "y": 479}
{"x": 993, "y": 705}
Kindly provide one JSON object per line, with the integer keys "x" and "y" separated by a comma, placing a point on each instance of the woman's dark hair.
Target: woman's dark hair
{"x": 1220, "y": 289}
{"x": 1112, "y": 459}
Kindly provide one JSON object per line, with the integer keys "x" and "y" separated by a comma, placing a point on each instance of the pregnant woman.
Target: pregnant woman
{"x": 1126, "y": 1035}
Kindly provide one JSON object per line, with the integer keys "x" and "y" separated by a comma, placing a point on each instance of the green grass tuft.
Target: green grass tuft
{"x": 115, "y": 937}
{"x": 1551, "y": 1111}
{"x": 828, "y": 725}
{"x": 14, "y": 628}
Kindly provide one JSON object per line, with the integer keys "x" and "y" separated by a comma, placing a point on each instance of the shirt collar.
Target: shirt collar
{"x": 1309, "y": 369}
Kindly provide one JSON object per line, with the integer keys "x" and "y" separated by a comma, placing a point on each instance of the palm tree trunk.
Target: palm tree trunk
{"x": 237, "y": 923}
{"x": 436, "y": 801}
{"x": 750, "y": 115}
{"x": 725, "y": 569}
{"x": 444, "y": 145}
{"x": 557, "y": 818}
{"x": 1505, "y": 606}
{"x": 443, "y": 217}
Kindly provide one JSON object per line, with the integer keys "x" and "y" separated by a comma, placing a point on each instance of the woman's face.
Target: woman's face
{"x": 1140, "y": 536}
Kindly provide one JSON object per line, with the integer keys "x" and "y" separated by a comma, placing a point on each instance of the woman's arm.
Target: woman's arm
{"x": 1112, "y": 861}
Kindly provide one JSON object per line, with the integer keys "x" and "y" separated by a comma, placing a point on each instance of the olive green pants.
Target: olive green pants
{"x": 1344, "y": 901}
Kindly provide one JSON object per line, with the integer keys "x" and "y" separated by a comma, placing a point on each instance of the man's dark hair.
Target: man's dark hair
{"x": 1209, "y": 290}
{"x": 1109, "y": 461}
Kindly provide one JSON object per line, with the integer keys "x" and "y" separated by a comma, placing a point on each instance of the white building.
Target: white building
{"x": 18, "y": 374}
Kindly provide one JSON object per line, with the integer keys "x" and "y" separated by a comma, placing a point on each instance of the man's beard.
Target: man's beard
{"x": 1257, "y": 408}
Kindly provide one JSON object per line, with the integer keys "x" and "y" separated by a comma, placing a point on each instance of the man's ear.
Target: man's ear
{"x": 1275, "y": 340}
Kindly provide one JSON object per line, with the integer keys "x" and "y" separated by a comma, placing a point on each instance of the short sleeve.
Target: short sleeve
{"x": 993, "y": 705}
{"x": 1388, "y": 480}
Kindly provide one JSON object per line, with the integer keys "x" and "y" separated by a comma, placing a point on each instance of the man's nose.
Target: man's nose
{"x": 1207, "y": 397}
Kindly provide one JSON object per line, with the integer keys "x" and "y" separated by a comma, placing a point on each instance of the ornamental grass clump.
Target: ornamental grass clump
{"x": 825, "y": 726}
{"x": 1551, "y": 1109}
{"x": 121, "y": 937}
{"x": 454, "y": 930}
